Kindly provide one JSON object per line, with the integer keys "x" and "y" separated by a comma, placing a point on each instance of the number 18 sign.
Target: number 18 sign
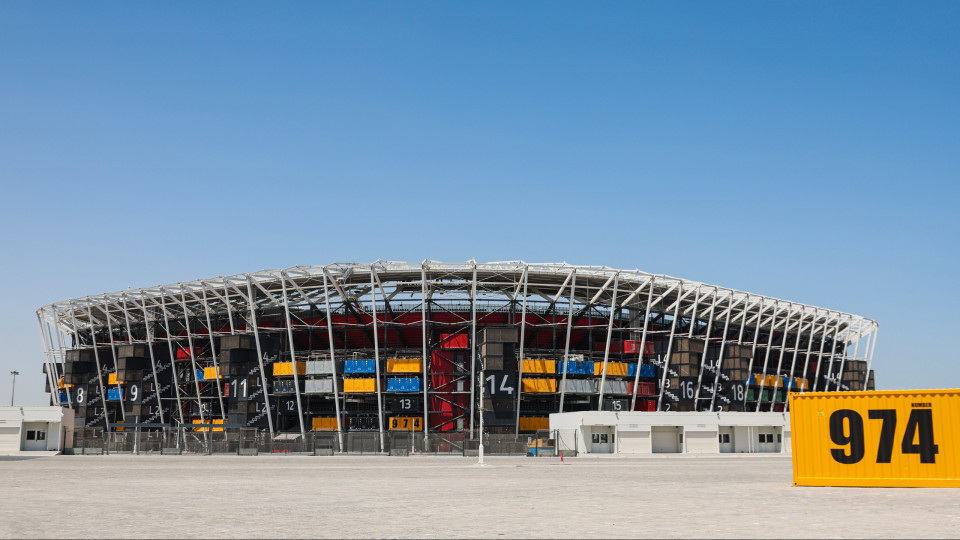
{"x": 883, "y": 439}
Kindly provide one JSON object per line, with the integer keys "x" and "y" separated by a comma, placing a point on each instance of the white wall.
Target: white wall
{"x": 658, "y": 432}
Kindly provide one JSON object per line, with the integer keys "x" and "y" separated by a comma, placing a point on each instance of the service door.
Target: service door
{"x": 34, "y": 436}
{"x": 725, "y": 438}
{"x": 634, "y": 442}
{"x": 766, "y": 440}
{"x": 602, "y": 440}
{"x": 665, "y": 439}
{"x": 701, "y": 442}
{"x": 9, "y": 439}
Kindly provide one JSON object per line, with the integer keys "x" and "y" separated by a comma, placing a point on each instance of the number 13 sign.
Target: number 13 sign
{"x": 894, "y": 439}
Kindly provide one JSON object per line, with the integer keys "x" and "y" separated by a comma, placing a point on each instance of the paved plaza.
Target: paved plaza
{"x": 437, "y": 497}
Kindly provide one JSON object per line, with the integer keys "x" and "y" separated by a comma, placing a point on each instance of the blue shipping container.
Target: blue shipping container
{"x": 404, "y": 384}
{"x": 114, "y": 394}
{"x": 359, "y": 366}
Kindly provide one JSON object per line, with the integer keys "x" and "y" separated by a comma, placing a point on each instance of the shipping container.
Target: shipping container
{"x": 545, "y": 367}
{"x": 646, "y": 370}
{"x": 281, "y": 369}
{"x": 319, "y": 367}
{"x": 359, "y": 385}
{"x": 360, "y": 366}
{"x": 210, "y": 373}
{"x": 905, "y": 438}
{"x": 616, "y": 369}
{"x": 324, "y": 423}
{"x": 534, "y": 386}
{"x": 404, "y": 365}
{"x": 534, "y": 423}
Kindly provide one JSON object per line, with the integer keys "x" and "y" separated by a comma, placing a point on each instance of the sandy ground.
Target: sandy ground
{"x": 428, "y": 497}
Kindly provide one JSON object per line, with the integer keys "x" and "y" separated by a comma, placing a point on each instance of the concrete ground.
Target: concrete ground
{"x": 428, "y": 497}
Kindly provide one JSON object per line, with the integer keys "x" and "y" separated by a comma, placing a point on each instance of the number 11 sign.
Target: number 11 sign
{"x": 891, "y": 439}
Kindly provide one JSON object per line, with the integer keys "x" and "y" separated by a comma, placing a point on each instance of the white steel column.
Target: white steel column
{"x": 706, "y": 348}
{"x": 423, "y": 332}
{"x": 473, "y": 349}
{"x": 643, "y": 341}
{"x": 213, "y": 353}
{"x": 293, "y": 354}
{"x": 523, "y": 330}
{"x": 666, "y": 358}
{"x": 116, "y": 361}
{"x": 333, "y": 357}
{"x": 96, "y": 357}
{"x": 173, "y": 355}
{"x": 753, "y": 350}
{"x": 51, "y": 373}
{"x": 606, "y": 350}
{"x": 873, "y": 347}
{"x": 823, "y": 341}
{"x": 566, "y": 347}
{"x": 833, "y": 350}
{"x": 252, "y": 304}
{"x": 693, "y": 316}
{"x": 153, "y": 361}
{"x": 783, "y": 350}
{"x": 723, "y": 347}
{"x": 376, "y": 356}
{"x": 193, "y": 361}
{"x": 766, "y": 357}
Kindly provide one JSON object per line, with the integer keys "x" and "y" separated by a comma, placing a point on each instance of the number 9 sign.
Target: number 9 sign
{"x": 133, "y": 393}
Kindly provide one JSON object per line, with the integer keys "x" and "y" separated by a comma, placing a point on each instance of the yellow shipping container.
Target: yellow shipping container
{"x": 539, "y": 386}
{"x": 534, "y": 423}
{"x": 539, "y": 366}
{"x": 771, "y": 380}
{"x": 617, "y": 369}
{"x": 112, "y": 379}
{"x": 209, "y": 421}
{"x": 360, "y": 385}
{"x": 286, "y": 368}
{"x": 403, "y": 365}
{"x": 210, "y": 373}
{"x": 876, "y": 439}
{"x": 324, "y": 424}
{"x": 406, "y": 423}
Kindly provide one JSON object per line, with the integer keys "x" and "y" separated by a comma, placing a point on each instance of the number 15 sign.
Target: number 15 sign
{"x": 892, "y": 438}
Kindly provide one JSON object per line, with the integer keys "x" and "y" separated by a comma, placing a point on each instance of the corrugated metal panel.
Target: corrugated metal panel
{"x": 889, "y": 438}
{"x": 324, "y": 424}
{"x": 210, "y": 373}
{"x": 403, "y": 365}
{"x": 319, "y": 386}
{"x": 577, "y": 386}
{"x": 541, "y": 386}
{"x": 614, "y": 387}
{"x": 617, "y": 369}
{"x": 539, "y": 366}
{"x": 534, "y": 423}
{"x": 286, "y": 368}
{"x": 360, "y": 385}
{"x": 319, "y": 367}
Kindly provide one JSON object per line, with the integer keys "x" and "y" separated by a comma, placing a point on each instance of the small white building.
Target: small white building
{"x": 24, "y": 429}
{"x": 601, "y": 432}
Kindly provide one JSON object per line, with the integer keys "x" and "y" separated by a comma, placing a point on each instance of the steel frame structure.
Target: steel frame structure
{"x": 342, "y": 300}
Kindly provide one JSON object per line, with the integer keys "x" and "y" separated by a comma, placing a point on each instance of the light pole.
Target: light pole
{"x": 14, "y": 389}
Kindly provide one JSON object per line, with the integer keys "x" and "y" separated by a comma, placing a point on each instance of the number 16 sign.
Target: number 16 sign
{"x": 891, "y": 438}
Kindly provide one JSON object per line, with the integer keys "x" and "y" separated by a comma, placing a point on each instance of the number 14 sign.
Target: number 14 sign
{"x": 892, "y": 439}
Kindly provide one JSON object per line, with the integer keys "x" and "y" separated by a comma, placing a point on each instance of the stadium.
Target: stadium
{"x": 435, "y": 351}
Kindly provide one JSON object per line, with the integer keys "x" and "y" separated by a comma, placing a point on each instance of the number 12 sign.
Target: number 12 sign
{"x": 880, "y": 439}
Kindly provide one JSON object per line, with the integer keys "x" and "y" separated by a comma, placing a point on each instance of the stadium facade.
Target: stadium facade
{"x": 437, "y": 348}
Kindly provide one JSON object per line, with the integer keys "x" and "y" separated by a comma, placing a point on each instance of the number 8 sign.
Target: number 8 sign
{"x": 894, "y": 439}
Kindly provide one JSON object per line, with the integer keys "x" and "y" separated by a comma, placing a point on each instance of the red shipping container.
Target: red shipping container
{"x": 643, "y": 388}
{"x": 646, "y": 405}
{"x": 632, "y": 346}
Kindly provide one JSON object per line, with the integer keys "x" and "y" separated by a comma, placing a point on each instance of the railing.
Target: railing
{"x": 190, "y": 440}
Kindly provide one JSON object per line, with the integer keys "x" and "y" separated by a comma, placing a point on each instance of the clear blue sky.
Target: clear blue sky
{"x": 804, "y": 150}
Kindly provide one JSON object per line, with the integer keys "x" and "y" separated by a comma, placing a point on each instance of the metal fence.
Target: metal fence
{"x": 189, "y": 440}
